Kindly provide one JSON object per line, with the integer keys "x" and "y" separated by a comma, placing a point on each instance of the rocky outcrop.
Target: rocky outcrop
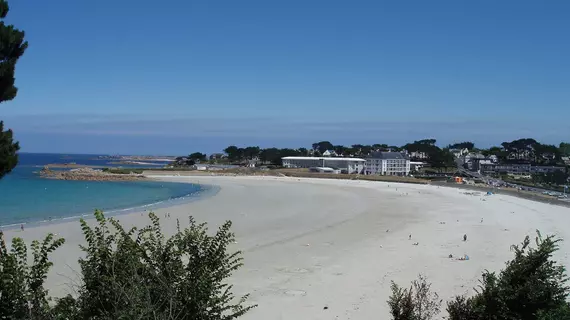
{"x": 88, "y": 174}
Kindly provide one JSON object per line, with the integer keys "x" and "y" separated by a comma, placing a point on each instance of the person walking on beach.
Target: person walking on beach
{"x": 465, "y": 237}
{"x": 22, "y": 226}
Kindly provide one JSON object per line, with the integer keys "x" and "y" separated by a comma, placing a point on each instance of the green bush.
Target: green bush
{"x": 22, "y": 295}
{"x": 123, "y": 170}
{"x": 416, "y": 303}
{"x": 129, "y": 274}
{"x": 531, "y": 287}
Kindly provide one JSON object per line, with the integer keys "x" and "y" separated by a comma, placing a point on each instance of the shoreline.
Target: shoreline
{"x": 162, "y": 204}
{"x": 205, "y": 192}
{"x": 386, "y": 179}
{"x": 310, "y": 243}
{"x": 536, "y": 197}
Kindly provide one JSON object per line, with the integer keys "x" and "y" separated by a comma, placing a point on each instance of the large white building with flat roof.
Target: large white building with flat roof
{"x": 388, "y": 163}
{"x": 346, "y": 165}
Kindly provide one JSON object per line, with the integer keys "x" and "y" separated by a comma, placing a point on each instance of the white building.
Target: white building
{"x": 418, "y": 155}
{"x": 388, "y": 163}
{"x": 329, "y": 153}
{"x": 416, "y": 165}
{"x": 346, "y": 165}
{"x": 459, "y": 152}
{"x": 324, "y": 170}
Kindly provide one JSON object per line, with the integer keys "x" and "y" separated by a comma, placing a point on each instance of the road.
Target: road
{"x": 495, "y": 181}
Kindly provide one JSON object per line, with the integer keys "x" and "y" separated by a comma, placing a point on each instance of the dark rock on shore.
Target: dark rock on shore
{"x": 88, "y": 174}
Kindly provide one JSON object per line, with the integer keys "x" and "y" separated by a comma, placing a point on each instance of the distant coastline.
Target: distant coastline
{"x": 137, "y": 158}
{"x": 86, "y": 173}
{"x": 71, "y": 165}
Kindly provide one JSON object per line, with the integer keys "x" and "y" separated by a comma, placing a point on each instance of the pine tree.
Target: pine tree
{"x": 12, "y": 47}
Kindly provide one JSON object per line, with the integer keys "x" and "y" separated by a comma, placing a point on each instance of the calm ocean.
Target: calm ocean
{"x": 25, "y": 198}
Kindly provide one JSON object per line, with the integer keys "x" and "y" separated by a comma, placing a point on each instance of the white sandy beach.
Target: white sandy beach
{"x": 315, "y": 243}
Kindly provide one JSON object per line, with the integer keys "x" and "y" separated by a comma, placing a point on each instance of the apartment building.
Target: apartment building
{"x": 521, "y": 169}
{"x": 346, "y": 165}
{"x": 388, "y": 163}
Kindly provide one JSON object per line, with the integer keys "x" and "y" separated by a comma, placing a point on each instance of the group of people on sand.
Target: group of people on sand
{"x": 462, "y": 258}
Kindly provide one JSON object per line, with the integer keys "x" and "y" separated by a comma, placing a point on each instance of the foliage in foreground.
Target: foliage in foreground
{"x": 531, "y": 287}
{"x": 129, "y": 274}
{"x": 22, "y": 295}
{"x": 417, "y": 303}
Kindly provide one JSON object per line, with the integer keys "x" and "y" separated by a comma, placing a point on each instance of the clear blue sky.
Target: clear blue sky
{"x": 177, "y": 76}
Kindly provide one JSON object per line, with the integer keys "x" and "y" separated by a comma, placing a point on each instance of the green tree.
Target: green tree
{"x": 12, "y": 47}
{"x": 271, "y": 155}
{"x": 8, "y": 151}
{"x": 521, "y": 149}
{"x": 564, "y": 149}
{"x": 426, "y": 146}
{"x": 322, "y": 146}
{"x": 340, "y": 150}
{"x": 379, "y": 147}
{"x": 545, "y": 154}
{"x": 429, "y": 142}
{"x": 357, "y": 149}
{"x": 251, "y": 152}
{"x": 366, "y": 150}
{"x": 234, "y": 153}
{"x": 184, "y": 161}
{"x": 462, "y": 145}
{"x": 440, "y": 158}
{"x": 361, "y": 149}
{"x": 496, "y": 151}
{"x": 500, "y": 153}
{"x": 197, "y": 156}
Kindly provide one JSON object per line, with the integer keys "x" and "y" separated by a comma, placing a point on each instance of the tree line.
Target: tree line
{"x": 529, "y": 151}
{"x": 436, "y": 156}
{"x": 520, "y": 150}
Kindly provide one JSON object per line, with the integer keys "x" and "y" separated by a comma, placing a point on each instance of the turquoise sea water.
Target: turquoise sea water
{"x": 25, "y": 198}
